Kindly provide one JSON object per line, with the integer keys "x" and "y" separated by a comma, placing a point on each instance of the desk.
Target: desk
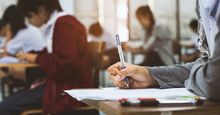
{"x": 17, "y": 65}
{"x": 114, "y": 108}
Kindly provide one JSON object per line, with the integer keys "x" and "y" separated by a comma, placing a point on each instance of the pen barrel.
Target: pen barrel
{"x": 121, "y": 56}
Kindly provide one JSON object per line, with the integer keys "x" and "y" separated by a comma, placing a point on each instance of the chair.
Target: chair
{"x": 96, "y": 51}
{"x": 176, "y": 50}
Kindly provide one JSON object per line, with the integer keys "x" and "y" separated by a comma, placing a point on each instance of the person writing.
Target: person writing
{"x": 200, "y": 77}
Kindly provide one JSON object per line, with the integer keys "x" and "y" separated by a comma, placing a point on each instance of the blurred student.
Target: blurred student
{"x": 194, "y": 28}
{"x": 65, "y": 60}
{"x": 201, "y": 76}
{"x": 98, "y": 34}
{"x": 20, "y": 37}
{"x": 157, "y": 43}
{"x": 192, "y": 53}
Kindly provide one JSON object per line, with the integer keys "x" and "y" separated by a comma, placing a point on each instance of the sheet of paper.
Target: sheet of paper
{"x": 9, "y": 59}
{"x": 116, "y": 94}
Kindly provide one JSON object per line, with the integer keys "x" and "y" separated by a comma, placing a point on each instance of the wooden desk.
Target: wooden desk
{"x": 16, "y": 65}
{"x": 114, "y": 108}
{"x": 23, "y": 65}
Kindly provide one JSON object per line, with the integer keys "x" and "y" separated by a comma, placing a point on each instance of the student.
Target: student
{"x": 200, "y": 77}
{"x": 98, "y": 34}
{"x": 157, "y": 43}
{"x": 194, "y": 28}
{"x": 19, "y": 36}
{"x": 65, "y": 60}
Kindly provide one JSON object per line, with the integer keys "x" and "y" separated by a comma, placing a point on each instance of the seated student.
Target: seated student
{"x": 192, "y": 53}
{"x": 65, "y": 60}
{"x": 19, "y": 36}
{"x": 200, "y": 77}
{"x": 156, "y": 40}
{"x": 98, "y": 34}
{"x": 194, "y": 28}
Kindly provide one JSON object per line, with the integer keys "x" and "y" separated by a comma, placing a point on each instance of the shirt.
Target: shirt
{"x": 26, "y": 40}
{"x": 161, "y": 42}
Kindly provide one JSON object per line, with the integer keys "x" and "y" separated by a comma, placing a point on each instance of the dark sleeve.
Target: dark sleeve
{"x": 171, "y": 76}
{"x": 69, "y": 42}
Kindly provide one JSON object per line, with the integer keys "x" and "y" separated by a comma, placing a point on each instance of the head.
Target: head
{"x": 96, "y": 29}
{"x": 145, "y": 17}
{"x": 194, "y": 25}
{"x": 38, "y": 12}
{"x": 13, "y": 20}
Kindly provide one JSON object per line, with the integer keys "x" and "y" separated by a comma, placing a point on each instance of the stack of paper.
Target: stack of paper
{"x": 116, "y": 94}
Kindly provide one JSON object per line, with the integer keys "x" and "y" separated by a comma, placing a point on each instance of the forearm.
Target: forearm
{"x": 171, "y": 76}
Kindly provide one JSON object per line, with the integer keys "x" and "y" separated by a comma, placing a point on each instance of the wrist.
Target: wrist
{"x": 151, "y": 82}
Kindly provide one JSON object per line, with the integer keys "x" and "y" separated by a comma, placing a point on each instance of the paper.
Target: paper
{"x": 116, "y": 94}
{"x": 8, "y": 60}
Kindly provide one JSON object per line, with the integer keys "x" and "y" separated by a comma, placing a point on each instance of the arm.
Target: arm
{"x": 204, "y": 78}
{"x": 201, "y": 77}
{"x": 14, "y": 46}
{"x": 171, "y": 76}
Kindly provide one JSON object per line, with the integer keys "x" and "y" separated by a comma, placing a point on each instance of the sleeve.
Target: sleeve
{"x": 171, "y": 76}
{"x": 14, "y": 45}
{"x": 65, "y": 59}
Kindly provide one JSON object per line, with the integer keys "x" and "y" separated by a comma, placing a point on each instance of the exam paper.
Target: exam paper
{"x": 9, "y": 59}
{"x": 116, "y": 93}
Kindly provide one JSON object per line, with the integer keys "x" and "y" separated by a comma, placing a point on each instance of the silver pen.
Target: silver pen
{"x": 121, "y": 56}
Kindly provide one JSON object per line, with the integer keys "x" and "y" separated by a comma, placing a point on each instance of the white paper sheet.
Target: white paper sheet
{"x": 9, "y": 59}
{"x": 116, "y": 94}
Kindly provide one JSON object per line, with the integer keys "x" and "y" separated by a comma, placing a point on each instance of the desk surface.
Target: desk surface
{"x": 114, "y": 108}
{"x": 24, "y": 65}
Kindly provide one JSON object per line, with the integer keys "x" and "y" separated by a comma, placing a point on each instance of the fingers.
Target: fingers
{"x": 117, "y": 82}
{"x": 128, "y": 71}
{"x": 114, "y": 69}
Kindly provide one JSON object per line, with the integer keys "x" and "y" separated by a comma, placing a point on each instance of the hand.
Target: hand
{"x": 30, "y": 57}
{"x": 139, "y": 76}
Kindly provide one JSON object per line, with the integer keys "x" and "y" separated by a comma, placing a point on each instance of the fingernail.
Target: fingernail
{"x": 117, "y": 78}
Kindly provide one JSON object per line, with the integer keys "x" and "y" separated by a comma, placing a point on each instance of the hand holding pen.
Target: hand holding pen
{"x": 121, "y": 56}
{"x": 129, "y": 75}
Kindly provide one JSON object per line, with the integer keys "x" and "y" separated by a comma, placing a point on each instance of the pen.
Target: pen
{"x": 121, "y": 56}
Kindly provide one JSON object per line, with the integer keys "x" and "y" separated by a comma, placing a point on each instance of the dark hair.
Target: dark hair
{"x": 2, "y": 23}
{"x": 145, "y": 11}
{"x": 15, "y": 18}
{"x": 193, "y": 24}
{"x": 32, "y": 6}
{"x": 96, "y": 29}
